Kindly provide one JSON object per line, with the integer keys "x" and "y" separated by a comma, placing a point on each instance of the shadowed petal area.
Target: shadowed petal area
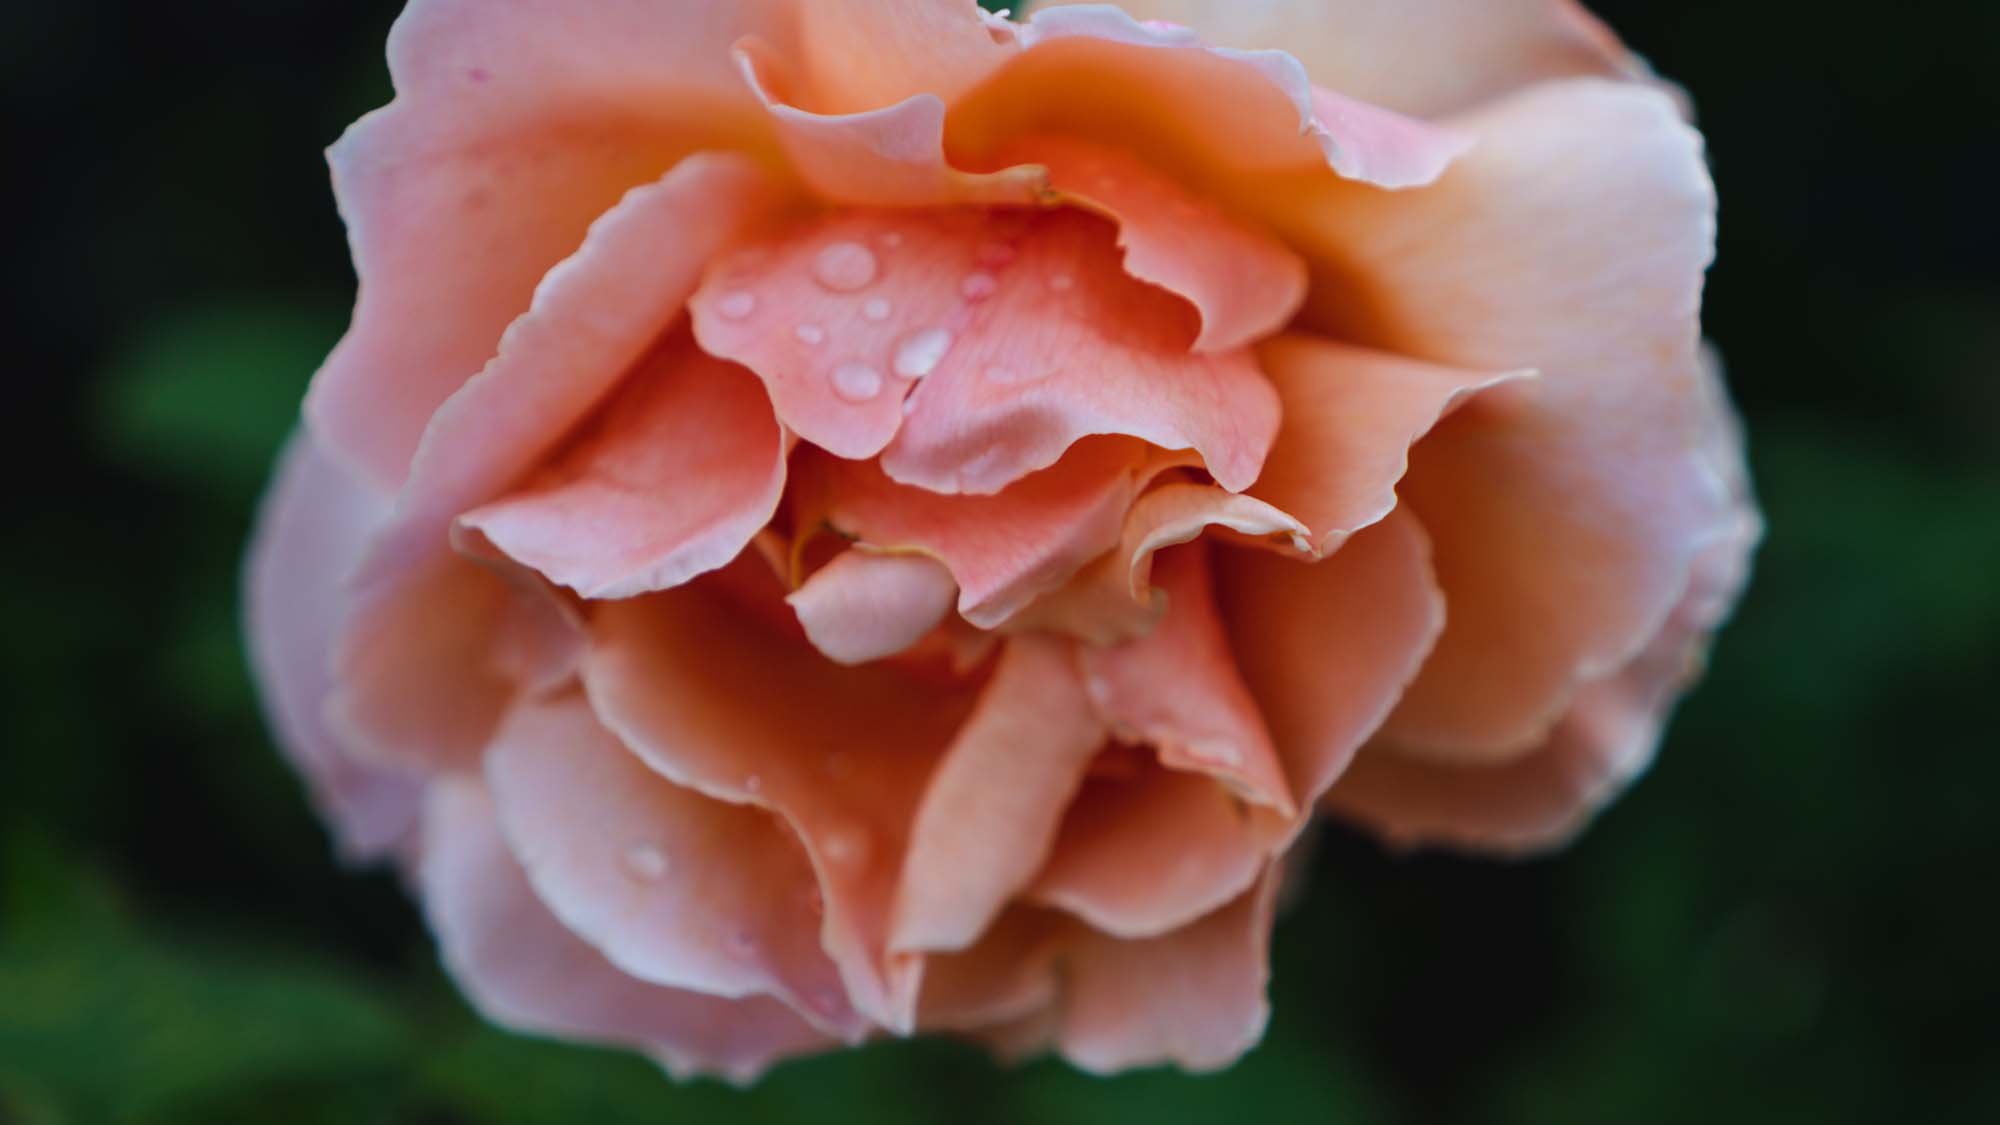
{"x": 310, "y": 531}
{"x": 673, "y": 887}
{"x": 866, "y": 605}
{"x": 685, "y": 678}
{"x": 1205, "y": 112}
{"x": 1194, "y": 997}
{"x": 523, "y": 970}
{"x": 990, "y": 812}
{"x": 1414, "y": 56}
{"x": 1022, "y": 326}
{"x": 686, "y": 464}
{"x": 1177, "y": 689}
{"x": 1564, "y": 512}
{"x": 1244, "y": 283}
{"x": 1351, "y": 415}
{"x": 1114, "y": 599}
{"x": 1327, "y": 647}
{"x": 1003, "y": 550}
{"x": 594, "y": 319}
{"x": 1146, "y": 849}
{"x": 513, "y": 128}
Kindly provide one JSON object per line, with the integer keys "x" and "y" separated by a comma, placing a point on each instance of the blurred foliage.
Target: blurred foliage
{"x": 1786, "y": 922}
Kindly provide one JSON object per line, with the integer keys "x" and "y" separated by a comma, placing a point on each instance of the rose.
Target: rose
{"x": 842, "y": 518}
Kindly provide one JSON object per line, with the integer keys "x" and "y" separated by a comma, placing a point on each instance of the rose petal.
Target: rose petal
{"x": 674, "y": 888}
{"x": 1415, "y": 56}
{"x": 1194, "y": 997}
{"x": 1003, "y": 550}
{"x": 990, "y": 812}
{"x": 1177, "y": 689}
{"x": 685, "y": 678}
{"x": 1351, "y": 415}
{"x": 523, "y": 970}
{"x": 310, "y": 531}
{"x": 1094, "y": 72}
{"x": 1327, "y": 647}
{"x": 1244, "y": 283}
{"x": 512, "y": 130}
{"x": 867, "y": 605}
{"x": 685, "y": 467}
{"x": 1565, "y": 516}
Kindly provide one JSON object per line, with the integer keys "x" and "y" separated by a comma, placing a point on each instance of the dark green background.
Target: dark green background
{"x": 1788, "y": 921}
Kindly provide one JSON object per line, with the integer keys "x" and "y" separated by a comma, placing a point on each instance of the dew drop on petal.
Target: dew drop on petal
{"x": 856, "y": 382}
{"x": 736, "y": 304}
{"x": 646, "y": 863}
{"x": 1004, "y": 376}
{"x": 845, "y": 266}
{"x": 920, "y": 352}
{"x": 876, "y": 309}
{"x": 892, "y": 239}
{"x": 1062, "y": 283}
{"x": 809, "y": 333}
{"x": 978, "y": 286}
{"x": 847, "y": 845}
{"x": 753, "y": 784}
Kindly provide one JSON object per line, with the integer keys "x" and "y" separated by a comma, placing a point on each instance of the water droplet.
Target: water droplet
{"x": 736, "y": 304}
{"x": 920, "y": 352}
{"x": 973, "y": 476}
{"x": 995, "y": 253}
{"x": 856, "y": 381}
{"x": 1004, "y": 375}
{"x": 876, "y": 309}
{"x": 892, "y": 239}
{"x": 809, "y": 333}
{"x": 845, "y": 266}
{"x": 847, "y": 845}
{"x": 754, "y": 783}
{"x": 646, "y": 862}
{"x": 1062, "y": 283}
{"x": 978, "y": 286}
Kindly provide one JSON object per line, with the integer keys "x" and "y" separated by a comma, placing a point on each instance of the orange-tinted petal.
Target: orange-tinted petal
{"x": 523, "y": 970}
{"x": 685, "y": 466}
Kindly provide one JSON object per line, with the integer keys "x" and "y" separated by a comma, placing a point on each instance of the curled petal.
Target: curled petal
{"x": 1565, "y": 515}
{"x": 685, "y": 467}
{"x": 1327, "y": 647}
{"x": 991, "y": 809}
{"x": 1351, "y": 415}
{"x": 310, "y": 531}
{"x": 866, "y": 605}
{"x": 1464, "y": 53}
{"x": 673, "y": 887}
{"x": 840, "y": 754}
{"x": 523, "y": 970}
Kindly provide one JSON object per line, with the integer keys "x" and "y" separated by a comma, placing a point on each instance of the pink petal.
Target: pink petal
{"x": 1572, "y": 241}
{"x": 512, "y": 130}
{"x": 885, "y": 154}
{"x": 684, "y": 467}
{"x": 1327, "y": 647}
{"x": 1025, "y": 331}
{"x": 685, "y": 678}
{"x": 1351, "y": 415}
{"x": 1097, "y": 73}
{"x": 523, "y": 970}
{"x": 1003, "y": 550}
{"x": 1194, "y": 997}
{"x": 310, "y": 530}
{"x": 1244, "y": 283}
{"x": 1177, "y": 689}
{"x": 1414, "y": 56}
{"x": 1113, "y": 599}
{"x": 1144, "y": 854}
{"x": 867, "y": 605}
{"x": 674, "y": 888}
{"x": 990, "y": 812}
{"x": 1009, "y": 975}
{"x": 594, "y": 319}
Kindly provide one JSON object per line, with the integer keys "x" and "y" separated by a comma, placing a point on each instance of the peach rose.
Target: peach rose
{"x": 839, "y": 518}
